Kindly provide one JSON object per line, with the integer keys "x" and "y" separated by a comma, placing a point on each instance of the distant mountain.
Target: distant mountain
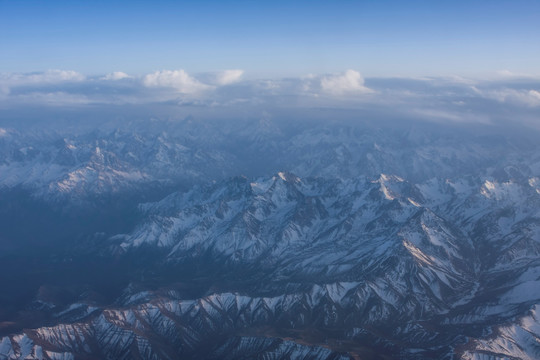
{"x": 88, "y": 164}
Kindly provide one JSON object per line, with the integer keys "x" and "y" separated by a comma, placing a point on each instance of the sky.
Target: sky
{"x": 272, "y": 38}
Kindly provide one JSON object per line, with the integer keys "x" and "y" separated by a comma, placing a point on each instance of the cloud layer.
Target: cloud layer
{"x": 455, "y": 99}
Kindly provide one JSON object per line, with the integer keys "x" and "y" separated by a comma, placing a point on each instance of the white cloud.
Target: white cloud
{"x": 529, "y": 98}
{"x": 228, "y": 77}
{"x": 533, "y": 94}
{"x": 11, "y": 80}
{"x": 177, "y": 79}
{"x": 117, "y": 75}
{"x": 507, "y": 74}
{"x": 349, "y": 82}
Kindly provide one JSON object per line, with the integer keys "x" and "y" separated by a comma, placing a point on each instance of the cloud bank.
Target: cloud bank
{"x": 444, "y": 99}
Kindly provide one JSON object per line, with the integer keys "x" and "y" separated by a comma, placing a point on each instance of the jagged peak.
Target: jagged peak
{"x": 288, "y": 177}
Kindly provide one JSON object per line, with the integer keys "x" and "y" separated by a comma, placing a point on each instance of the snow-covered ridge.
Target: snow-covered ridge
{"x": 520, "y": 340}
{"x": 79, "y": 164}
{"x": 167, "y": 327}
{"x": 183, "y": 325}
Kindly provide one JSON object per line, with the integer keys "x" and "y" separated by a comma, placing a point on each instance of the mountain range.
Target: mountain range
{"x": 270, "y": 240}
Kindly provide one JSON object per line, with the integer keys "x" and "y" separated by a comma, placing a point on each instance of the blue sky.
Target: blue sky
{"x": 278, "y": 38}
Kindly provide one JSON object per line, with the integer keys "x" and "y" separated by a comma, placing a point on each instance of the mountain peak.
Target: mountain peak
{"x": 288, "y": 177}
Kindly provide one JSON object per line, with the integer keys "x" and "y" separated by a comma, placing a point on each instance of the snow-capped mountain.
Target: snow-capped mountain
{"x": 92, "y": 164}
{"x": 68, "y": 164}
{"x": 285, "y": 242}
